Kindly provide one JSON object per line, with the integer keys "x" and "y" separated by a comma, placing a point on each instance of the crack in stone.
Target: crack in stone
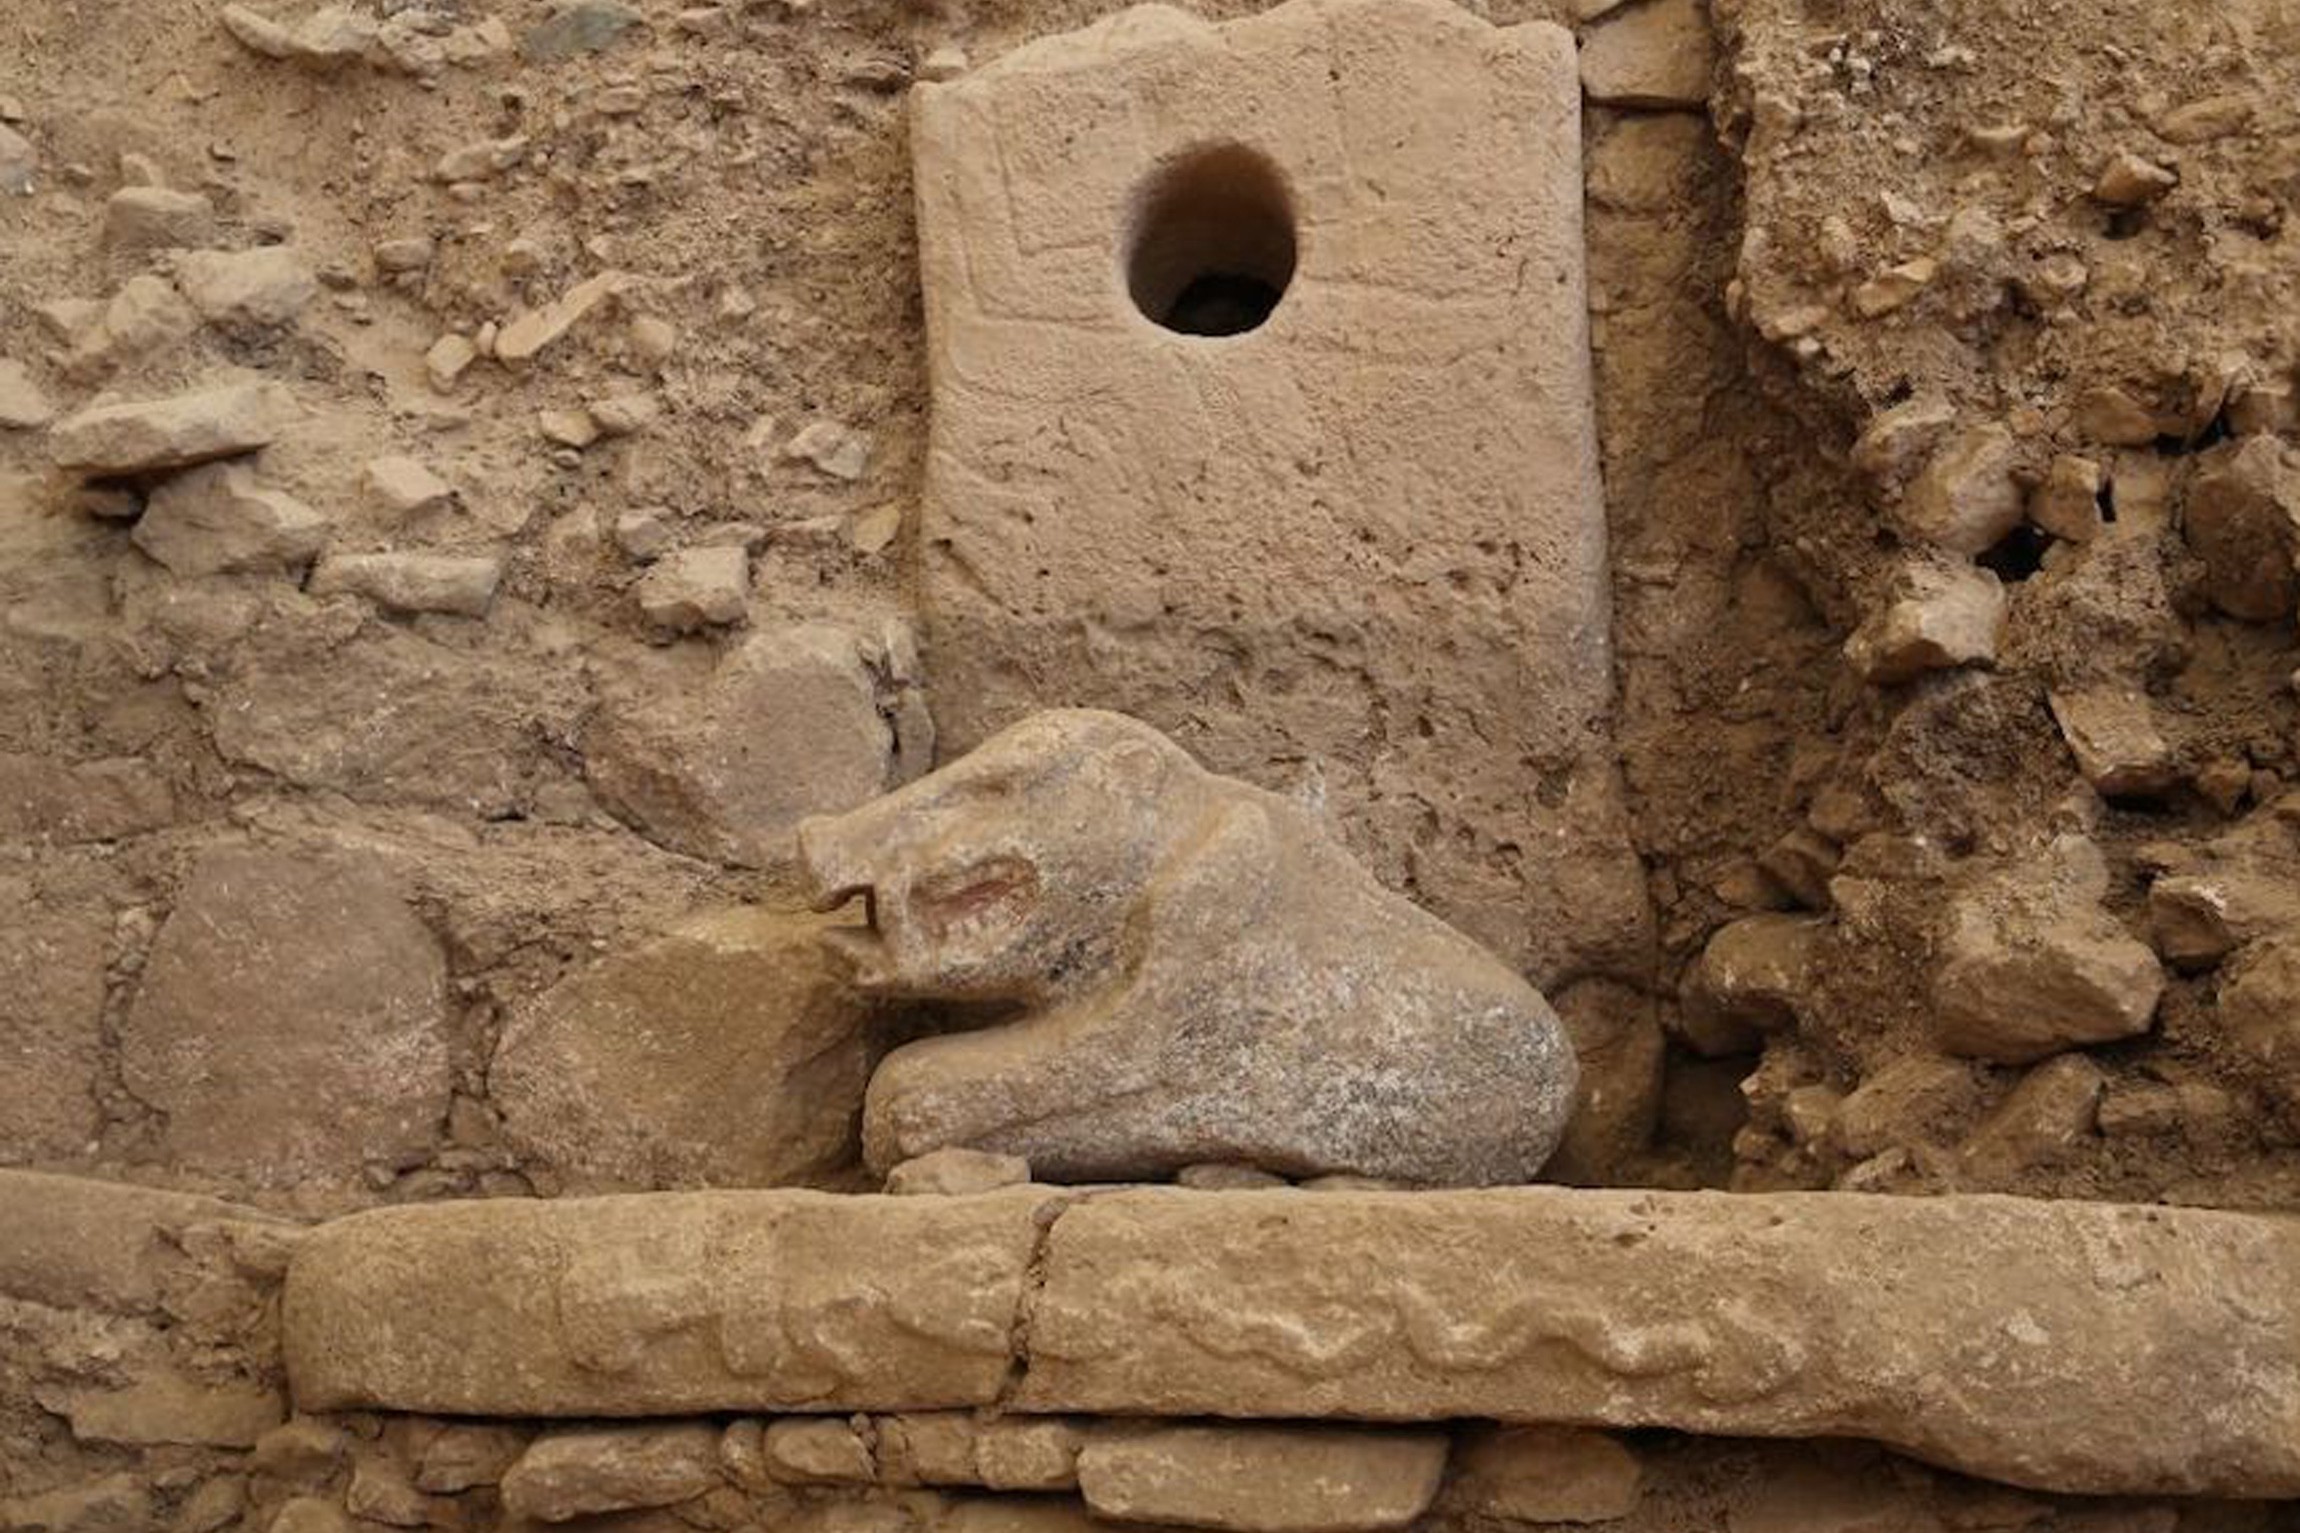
{"x": 1018, "y": 1336}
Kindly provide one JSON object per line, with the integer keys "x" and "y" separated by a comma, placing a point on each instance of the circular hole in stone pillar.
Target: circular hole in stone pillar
{"x": 1211, "y": 247}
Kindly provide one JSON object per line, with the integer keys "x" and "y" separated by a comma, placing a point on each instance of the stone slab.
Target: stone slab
{"x": 2084, "y": 1348}
{"x": 662, "y": 1304}
{"x": 71, "y": 1242}
{"x": 1363, "y": 542}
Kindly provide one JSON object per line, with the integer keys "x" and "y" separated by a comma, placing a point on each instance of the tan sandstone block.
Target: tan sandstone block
{"x": 1261, "y": 1479}
{"x": 1360, "y": 528}
{"x": 678, "y": 1302}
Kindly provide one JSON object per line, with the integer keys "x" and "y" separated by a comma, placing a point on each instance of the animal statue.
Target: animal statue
{"x": 1194, "y": 970}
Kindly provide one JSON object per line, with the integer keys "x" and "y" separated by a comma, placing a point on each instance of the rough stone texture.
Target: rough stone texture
{"x": 152, "y": 217}
{"x": 956, "y": 1173}
{"x": 291, "y": 1022}
{"x": 176, "y": 432}
{"x": 1545, "y": 1475}
{"x": 697, "y": 588}
{"x": 793, "y": 723}
{"x": 248, "y": 289}
{"x": 1205, "y": 975}
{"x": 1939, "y": 616}
{"x": 2065, "y": 1346}
{"x": 1393, "y": 569}
{"x": 1747, "y": 983}
{"x": 23, "y": 403}
{"x": 1262, "y": 1479}
{"x": 76, "y": 1243}
{"x": 52, "y": 964}
{"x": 2057, "y": 1345}
{"x": 573, "y": 1474}
{"x": 2043, "y": 1120}
{"x": 462, "y": 585}
{"x": 695, "y": 1301}
{"x": 1661, "y": 54}
{"x": 222, "y": 519}
{"x": 2032, "y": 964}
{"x": 2242, "y": 518}
{"x": 727, "y": 1052}
{"x": 826, "y": 1451}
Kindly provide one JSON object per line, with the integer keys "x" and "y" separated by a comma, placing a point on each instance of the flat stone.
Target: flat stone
{"x": 460, "y": 585}
{"x": 75, "y": 1243}
{"x": 2032, "y": 964}
{"x": 175, "y": 432}
{"x": 406, "y": 486}
{"x": 1260, "y": 1479}
{"x": 326, "y": 40}
{"x": 613, "y": 1469}
{"x": 697, "y": 588}
{"x": 2111, "y": 730}
{"x": 727, "y": 1052}
{"x": 817, "y": 1451}
{"x": 1660, "y": 54}
{"x": 1545, "y": 1475}
{"x": 2128, "y": 181}
{"x": 2043, "y": 1121}
{"x": 1201, "y": 972}
{"x": 1028, "y": 1453}
{"x": 259, "y": 289}
{"x": 24, "y": 405}
{"x": 677, "y": 1303}
{"x": 525, "y": 337}
{"x": 162, "y": 1407}
{"x": 291, "y": 1021}
{"x": 792, "y": 723}
{"x": 154, "y": 217}
{"x": 928, "y": 1448}
{"x": 221, "y": 519}
{"x": 956, "y": 1173}
{"x": 1277, "y": 544}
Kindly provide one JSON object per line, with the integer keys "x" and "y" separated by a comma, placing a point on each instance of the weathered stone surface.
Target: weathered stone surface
{"x": 2061, "y": 1345}
{"x": 1206, "y": 975}
{"x": 2242, "y": 518}
{"x": 613, "y": 1469}
{"x": 52, "y": 968}
{"x": 248, "y": 289}
{"x": 1028, "y": 1453}
{"x": 175, "y": 432}
{"x": 793, "y": 723}
{"x": 222, "y": 519}
{"x": 1939, "y": 616}
{"x": 1659, "y": 55}
{"x": 23, "y": 403}
{"x": 1748, "y": 982}
{"x": 406, "y": 486}
{"x": 2113, "y": 735}
{"x": 1365, "y": 534}
{"x": 2260, "y": 1007}
{"x": 2031, "y": 963}
{"x": 461, "y": 585}
{"x": 160, "y": 1407}
{"x": 956, "y": 1173}
{"x": 1257, "y": 1479}
{"x": 680, "y": 1302}
{"x": 149, "y": 217}
{"x": 76, "y": 1243}
{"x": 537, "y": 329}
{"x": 2054, "y": 1109}
{"x": 728, "y": 1052}
{"x": 697, "y": 588}
{"x": 817, "y": 1451}
{"x": 2057, "y": 1345}
{"x": 1966, "y": 498}
{"x": 1545, "y": 1475}
{"x": 928, "y": 1448}
{"x": 466, "y": 1455}
{"x": 291, "y": 1021}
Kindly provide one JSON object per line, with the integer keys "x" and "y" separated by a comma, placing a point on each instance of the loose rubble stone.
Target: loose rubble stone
{"x": 928, "y": 1448}
{"x": 582, "y": 26}
{"x": 153, "y": 217}
{"x": 2113, "y": 417}
{"x": 1902, "y": 440}
{"x": 1255, "y": 1479}
{"x": 146, "y": 315}
{"x": 248, "y": 289}
{"x": 792, "y": 723}
{"x": 2242, "y": 518}
{"x": 1902, "y": 1104}
{"x": 458, "y": 584}
{"x": 2260, "y": 1007}
{"x": 160, "y": 1407}
{"x": 726, "y": 1053}
{"x": 832, "y": 448}
{"x": 2269, "y": 406}
{"x": 112, "y": 1503}
{"x": 568, "y": 428}
{"x": 19, "y": 164}
{"x": 611, "y": 1469}
{"x": 697, "y": 588}
{"x": 2112, "y": 732}
{"x": 1941, "y": 616}
{"x": 106, "y": 1247}
{"x": 2031, "y": 963}
{"x": 2129, "y": 181}
{"x": 327, "y": 39}
{"x": 1302, "y": 1018}
{"x": 1965, "y": 499}
{"x": 463, "y": 1456}
{"x": 23, "y": 403}
{"x": 406, "y": 486}
{"x": 1894, "y": 288}
{"x": 818, "y": 1452}
{"x": 2246, "y": 885}
{"x": 1747, "y": 982}
{"x": 681, "y": 1302}
{"x": 483, "y": 160}
{"x": 448, "y": 359}
{"x": 1055, "y": 577}
{"x": 625, "y": 414}
{"x": 2054, "y": 1109}
{"x": 175, "y": 432}
{"x": 956, "y": 1173}
{"x": 1545, "y": 1475}
{"x": 398, "y": 257}
{"x": 291, "y": 1021}
{"x": 222, "y": 519}
{"x": 1659, "y": 55}
{"x": 2067, "y": 501}
{"x": 531, "y": 332}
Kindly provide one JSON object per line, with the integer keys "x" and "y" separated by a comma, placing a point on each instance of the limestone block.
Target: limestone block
{"x": 2063, "y": 1346}
{"x": 679, "y": 1302}
{"x": 727, "y": 1052}
{"x": 461, "y": 585}
{"x": 248, "y": 289}
{"x": 1204, "y": 974}
{"x": 1262, "y": 412}
{"x": 76, "y": 1243}
{"x": 612, "y": 1469}
{"x": 1659, "y": 55}
{"x": 1260, "y": 1479}
{"x": 292, "y": 1018}
{"x": 175, "y": 432}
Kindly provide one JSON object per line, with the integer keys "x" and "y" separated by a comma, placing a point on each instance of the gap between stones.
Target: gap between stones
{"x": 1026, "y": 1302}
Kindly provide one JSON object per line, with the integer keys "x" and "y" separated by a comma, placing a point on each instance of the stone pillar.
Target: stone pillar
{"x": 1262, "y": 412}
